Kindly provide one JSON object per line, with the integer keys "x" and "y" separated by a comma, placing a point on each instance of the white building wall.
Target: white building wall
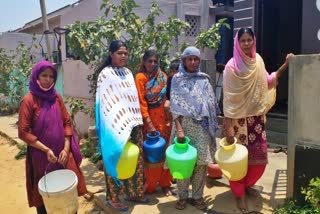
{"x": 76, "y": 72}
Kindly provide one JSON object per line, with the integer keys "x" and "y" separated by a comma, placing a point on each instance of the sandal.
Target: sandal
{"x": 181, "y": 204}
{"x": 117, "y": 205}
{"x": 200, "y": 204}
{"x": 167, "y": 191}
{"x": 138, "y": 200}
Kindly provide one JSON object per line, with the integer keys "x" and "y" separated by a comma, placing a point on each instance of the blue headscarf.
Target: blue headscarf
{"x": 192, "y": 94}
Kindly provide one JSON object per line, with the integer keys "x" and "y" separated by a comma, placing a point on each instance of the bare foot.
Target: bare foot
{"x": 167, "y": 191}
{"x": 252, "y": 192}
{"x": 242, "y": 204}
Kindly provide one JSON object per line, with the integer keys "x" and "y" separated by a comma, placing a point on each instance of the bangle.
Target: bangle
{"x": 180, "y": 130}
{"x": 65, "y": 151}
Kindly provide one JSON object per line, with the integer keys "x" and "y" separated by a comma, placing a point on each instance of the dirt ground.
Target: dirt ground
{"x": 13, "y": 198}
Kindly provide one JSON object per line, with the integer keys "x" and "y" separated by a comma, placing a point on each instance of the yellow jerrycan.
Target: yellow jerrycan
{"x": 232, "y": 159}
{"x": 128, "y": 161}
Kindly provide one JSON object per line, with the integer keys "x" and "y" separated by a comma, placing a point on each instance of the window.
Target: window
{"x": 194, "y": 22}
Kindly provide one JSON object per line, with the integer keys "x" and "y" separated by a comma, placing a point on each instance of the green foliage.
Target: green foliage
{"x": 15, "y": 69}
{"x": 312, "y": 197}
{"x": 22, "y": 153}
{"x": 77, "y": 105}
{"x": 89, "y": 40}
{"x": 211, "y": 38}
{"x": 312, "y": 192}
{"x": 22, "y": 67}
{"x": 6, "y": 64}
{"x": 291, "y": 208}
{"x": 88, "y": 149}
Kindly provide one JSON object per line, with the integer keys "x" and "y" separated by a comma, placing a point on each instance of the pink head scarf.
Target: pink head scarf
{"x": 245, "y": 86}
{"x": 241, "y": 60}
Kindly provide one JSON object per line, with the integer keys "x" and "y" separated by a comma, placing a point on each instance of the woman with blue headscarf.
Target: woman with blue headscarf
{"x": 194, "y": 108}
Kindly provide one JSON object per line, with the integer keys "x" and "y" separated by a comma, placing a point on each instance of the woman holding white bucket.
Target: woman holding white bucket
{"x": 249, "y": 92}
{"x": 44, "y": 124}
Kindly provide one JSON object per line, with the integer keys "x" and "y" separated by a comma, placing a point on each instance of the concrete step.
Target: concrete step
{"x": 275, "y": 137}
{"x": 277, "y": 125}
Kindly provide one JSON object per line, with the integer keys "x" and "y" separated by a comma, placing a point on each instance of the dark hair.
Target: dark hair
{"x": 174, "y": 64}
{"x": 245, "y": 30}
{"x": 148, "y": 54}
{"x": 114, "y": 46}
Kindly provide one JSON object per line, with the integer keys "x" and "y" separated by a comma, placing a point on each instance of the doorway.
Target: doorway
{"x": 278, "y": 31}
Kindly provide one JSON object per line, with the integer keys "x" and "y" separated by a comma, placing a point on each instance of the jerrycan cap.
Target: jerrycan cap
{"x": 224, "y": 144}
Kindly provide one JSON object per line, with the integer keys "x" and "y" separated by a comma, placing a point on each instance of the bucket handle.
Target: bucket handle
{"x": 45, "y": 178}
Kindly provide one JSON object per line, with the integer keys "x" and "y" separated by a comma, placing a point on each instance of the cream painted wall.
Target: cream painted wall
{"x": 303, "y": 108}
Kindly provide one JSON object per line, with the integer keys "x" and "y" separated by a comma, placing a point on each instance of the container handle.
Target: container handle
{"x": 45, "y": 177}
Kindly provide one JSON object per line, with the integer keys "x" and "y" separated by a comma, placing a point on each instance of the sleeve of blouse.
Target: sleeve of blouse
{"x": 65, "y": 117}
{"x": 141, "y": 93}
{"x": 26, "y": 115}
{"x": 271, "y": 79}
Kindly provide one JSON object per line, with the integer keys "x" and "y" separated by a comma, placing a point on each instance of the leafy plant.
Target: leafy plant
{"x": 312, "y": 192}
{"x": 89, "y": 40}
{"x": 312, "y": 197}
{"x": 6, "y": 64}
{"x": 15, "y": 69}
{"x": 211, "y": 38}
{"x": 76, "y": 106}
{"x": 88, "y": 149}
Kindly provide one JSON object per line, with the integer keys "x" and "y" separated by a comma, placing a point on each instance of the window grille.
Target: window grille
{"x": 194, "y": 22}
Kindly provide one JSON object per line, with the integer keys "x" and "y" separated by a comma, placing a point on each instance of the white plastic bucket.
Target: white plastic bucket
{"x": 59, "y": 191}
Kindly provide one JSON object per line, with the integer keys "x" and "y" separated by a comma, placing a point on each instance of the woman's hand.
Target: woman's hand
{"x": 63, "y": 157}
{"x": 150, "y": 126}
{"x": 286, "y": 62}
{"x": 284, "y": 66}
{"x": 51, "y": 157}
{"x": 181, "y": 136}
{"x": 151, "y": 129}
{"x": 228, "y": 130}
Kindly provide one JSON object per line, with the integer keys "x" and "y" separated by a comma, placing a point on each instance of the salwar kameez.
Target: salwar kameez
{"x": 155, "y": 174}
{"x": 132, "y": 187}
{"x": 205, "y": 144}
{"x": 251, "y": 133}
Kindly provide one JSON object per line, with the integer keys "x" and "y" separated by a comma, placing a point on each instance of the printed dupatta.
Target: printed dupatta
{"x": 117, "y": 113}
{"x": 156, "y": 89}
{"x": 192, "y": 96}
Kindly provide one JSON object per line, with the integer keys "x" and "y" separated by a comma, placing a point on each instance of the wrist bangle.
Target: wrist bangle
{"x": 180, "y": 130}
{"x": 66, "y": 151}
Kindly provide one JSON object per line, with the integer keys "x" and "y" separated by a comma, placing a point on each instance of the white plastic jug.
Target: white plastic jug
{"x": 232, "y": 159}
{"x": 59, "y": 191}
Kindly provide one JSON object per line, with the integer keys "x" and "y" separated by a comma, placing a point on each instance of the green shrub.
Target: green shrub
{"x": 312, "y": 197}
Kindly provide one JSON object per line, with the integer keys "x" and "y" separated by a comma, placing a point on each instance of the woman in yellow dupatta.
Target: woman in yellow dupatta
{"x": 249, "y": 93}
